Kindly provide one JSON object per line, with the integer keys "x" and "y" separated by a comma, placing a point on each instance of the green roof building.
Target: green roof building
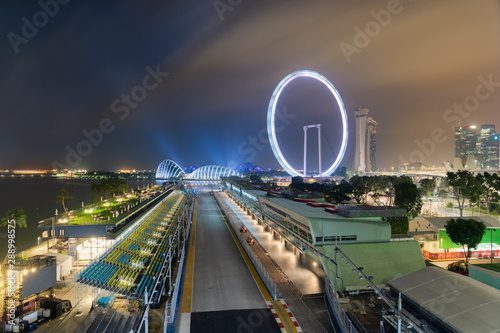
{"x": 361, "y": 233}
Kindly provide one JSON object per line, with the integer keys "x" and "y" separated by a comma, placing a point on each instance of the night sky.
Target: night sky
{"x": 203, "y": 72}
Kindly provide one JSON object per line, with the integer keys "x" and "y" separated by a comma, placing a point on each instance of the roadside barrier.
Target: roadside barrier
{"x": 235, "y": 222}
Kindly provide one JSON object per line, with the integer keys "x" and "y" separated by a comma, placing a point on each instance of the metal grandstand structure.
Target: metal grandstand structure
{"x": 139, "y": 265}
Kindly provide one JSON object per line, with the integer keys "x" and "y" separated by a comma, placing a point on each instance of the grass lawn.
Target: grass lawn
{"x": 98, "y": 213}
{"x": 492, "y": 267}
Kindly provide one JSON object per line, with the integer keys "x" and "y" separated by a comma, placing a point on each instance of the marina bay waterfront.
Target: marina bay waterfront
{"x": 37, "y": 197}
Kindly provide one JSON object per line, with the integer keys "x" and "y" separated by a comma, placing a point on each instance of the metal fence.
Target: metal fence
{"x": 346, "y": 324}
{"x": 171, "y": 305}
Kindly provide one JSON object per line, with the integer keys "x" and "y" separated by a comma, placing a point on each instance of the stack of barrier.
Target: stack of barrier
{"x": 104, "y": 301}
{"x": 132, "y": 265}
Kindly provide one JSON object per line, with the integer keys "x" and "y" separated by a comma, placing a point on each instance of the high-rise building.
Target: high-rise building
{"x": 359, "y": 164}
{"x": 371, "y": 138}
{"x": 473, "y": 151}
{"x": 366, "y": 142}
{"x": 465, "y": 145}
{"x": 487, "y": 147}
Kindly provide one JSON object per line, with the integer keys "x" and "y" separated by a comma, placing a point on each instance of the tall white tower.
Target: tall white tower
{"x": 360, "y": 116}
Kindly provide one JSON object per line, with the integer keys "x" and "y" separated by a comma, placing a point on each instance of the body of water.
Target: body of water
{"x": 37, "y": 196}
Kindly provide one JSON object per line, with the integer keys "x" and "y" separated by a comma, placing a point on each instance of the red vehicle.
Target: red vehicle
{"x": 250, "y": 240}
{"x": 243, "y": 228}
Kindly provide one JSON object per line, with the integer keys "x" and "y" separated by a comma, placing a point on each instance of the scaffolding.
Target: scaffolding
{"x": 13, "y": 271}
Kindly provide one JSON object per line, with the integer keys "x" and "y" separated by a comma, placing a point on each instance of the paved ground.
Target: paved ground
{"x": 445, "y": 263}
{"x": 222, "y": 281}
{"x": 244, "y": 321}
{"x": 303, "y": 278}
{"x": 225, "y": 296}
{"x": 71, "y": 321}
{"x": 305, "y": 294}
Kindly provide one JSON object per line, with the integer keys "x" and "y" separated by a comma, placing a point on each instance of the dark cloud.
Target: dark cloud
{"x": 222, "y": 74}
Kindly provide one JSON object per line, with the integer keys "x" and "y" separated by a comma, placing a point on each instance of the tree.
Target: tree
{"x": 340, "y": 193}
{"x": 408, "y": 197}
{"x": 428, "y": 185}
{"x": 255, "y": 178}
{"x": 109, "y": 186}
{"x": 361, "y": 187}
{"x": 17, "y": 215}
{"x": 399, "y": 225}
{"x": 381, "y": 189}
{"x": 465, "y": 232}
{"x": 489, "y": 186}
{"x": 62, "y": 196}
{"x": 443, "y": 194}
{"x": 464, "y": 187}
{"x": 95, "y": 189}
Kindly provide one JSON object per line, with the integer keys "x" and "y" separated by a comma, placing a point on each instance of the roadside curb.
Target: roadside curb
{"x": 292, "y": 317}
{"x": 275, "y": 314}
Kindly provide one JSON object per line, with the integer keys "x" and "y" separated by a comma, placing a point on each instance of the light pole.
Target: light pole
{"x": 435, "y": 203}
{"x": 491, "y": 254}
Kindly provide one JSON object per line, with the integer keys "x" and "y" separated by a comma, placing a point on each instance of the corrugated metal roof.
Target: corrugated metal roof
{"x": 439, "y": 222}
{"x": 384, "y": 261}
{"x": 303, "y": 209}
{"x": 256, "y": 193}
{"x": 322, "y": 223}
{"x": 462, "y": 303}
{"x": 371, "y": 211}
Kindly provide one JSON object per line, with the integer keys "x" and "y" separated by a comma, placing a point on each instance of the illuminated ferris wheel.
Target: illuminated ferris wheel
{"x": 271, "y": 126}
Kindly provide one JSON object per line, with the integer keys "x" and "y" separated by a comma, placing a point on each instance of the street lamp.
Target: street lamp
{"x": 491, "y": 253}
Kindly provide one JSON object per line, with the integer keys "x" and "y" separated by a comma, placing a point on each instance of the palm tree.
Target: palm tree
{"x": 120, "y": 186}
{"x": 96, "y": 189}
{"x": 17, "y": 215}
{"x": 61, "y": 196}
{"x": 109, "y": 186}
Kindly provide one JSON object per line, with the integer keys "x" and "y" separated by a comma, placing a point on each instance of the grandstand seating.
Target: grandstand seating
{"x": 132, "y": 265}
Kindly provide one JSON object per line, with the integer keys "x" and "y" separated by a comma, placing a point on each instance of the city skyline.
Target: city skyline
{"x": 125, "y": 85}
{"x": 476, "y": 148}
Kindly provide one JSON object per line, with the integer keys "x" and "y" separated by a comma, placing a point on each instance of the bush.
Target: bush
{"x": 399, "y": 225}
{"x": 449, "y": 205}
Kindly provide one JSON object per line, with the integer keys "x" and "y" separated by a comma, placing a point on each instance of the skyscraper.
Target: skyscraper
{"x": 487, "y": 147}
{"x": 465, "y": 146}
{"x": 366, "y": 141}
{"x": 473, "y": 151}
{"x": 371, "y": 138}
